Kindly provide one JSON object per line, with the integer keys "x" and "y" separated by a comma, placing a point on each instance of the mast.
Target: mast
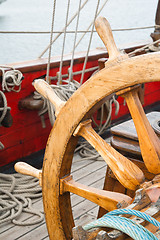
{"x": 156, "y": 35}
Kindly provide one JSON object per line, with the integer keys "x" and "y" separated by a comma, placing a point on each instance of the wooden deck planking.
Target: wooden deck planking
{"x": 84, "y": 171}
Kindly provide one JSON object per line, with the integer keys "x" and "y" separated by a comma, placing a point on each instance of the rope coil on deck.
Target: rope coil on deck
{"x": 126, "y": 225}
{"x": 16, "y": 195}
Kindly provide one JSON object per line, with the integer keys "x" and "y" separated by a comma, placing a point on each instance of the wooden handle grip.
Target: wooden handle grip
{"x": 26, "y": 169}
{"x": 104, "y": 30}
{"x": 128, "y": 174}
{"x": 46, "y": 91}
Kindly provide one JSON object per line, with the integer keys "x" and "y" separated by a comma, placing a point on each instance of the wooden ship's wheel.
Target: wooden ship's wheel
{"x": 121, "y": 75}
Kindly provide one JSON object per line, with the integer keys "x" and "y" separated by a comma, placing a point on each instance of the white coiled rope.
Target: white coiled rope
{"x": 15, "y": 79}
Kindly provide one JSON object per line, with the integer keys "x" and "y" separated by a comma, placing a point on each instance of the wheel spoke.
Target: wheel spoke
{"x": 148, "y": 140}
{"x": 61, "y": 143}
{"x": 106, "y": 199}
{"x": 128, "y": 174}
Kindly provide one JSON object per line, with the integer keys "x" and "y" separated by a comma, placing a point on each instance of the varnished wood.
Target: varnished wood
{"x": 126, "y": 146}
{"x": 45, "y": 90}
{"x": 103, "y": 83}
{"x": 27, "y": 169}
{"x": 148, "y": 140}
{"x": 141, "y": 203}
{"x": 58, "y": 164}
{"x": 104, "y": 30}
{"x": 106, "y": 199}
{"x": 111, "y": 79}
{"x": 127, "y": 130}
{"x": 128, "y": 174}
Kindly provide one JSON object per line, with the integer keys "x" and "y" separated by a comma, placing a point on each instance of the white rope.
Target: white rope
{"x": 50, "y": 45}
{"x": 70, "y": 21}
{"x": 3, "y": 108}
{"x": 16, "y": 194}
{"x": 102, "y": 7}
{"x": 79, "y": 31}
{"x": 11, "y": 79}
{"x": 89, "y": 45}
{"x": 75, "y": 38}
{"x": 3, "y": 111}
{"x": 143, "y": 48}
{"x": 64, "y": 40}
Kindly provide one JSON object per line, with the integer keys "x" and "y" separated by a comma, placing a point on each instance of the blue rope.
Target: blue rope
{"x": 126, "y": 225}
{"x": 137, "y": 214}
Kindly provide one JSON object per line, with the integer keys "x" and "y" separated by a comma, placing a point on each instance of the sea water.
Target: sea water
{"x": 36, "y": 15}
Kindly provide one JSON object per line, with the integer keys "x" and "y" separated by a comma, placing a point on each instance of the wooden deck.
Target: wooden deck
{"x": 88, "y": 172}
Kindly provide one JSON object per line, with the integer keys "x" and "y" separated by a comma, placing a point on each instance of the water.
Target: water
{"x": 36, "y": 15}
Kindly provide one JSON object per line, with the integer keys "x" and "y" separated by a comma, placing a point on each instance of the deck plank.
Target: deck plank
{"x": 84, "y": 211}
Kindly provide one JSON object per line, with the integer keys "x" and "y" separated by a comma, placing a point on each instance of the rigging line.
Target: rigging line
{"x": 70, "y": 21}
{"x": 50, "y": 45}
{"x": 79, "y": 31}
{"x": 75, "y": 38}
{"x": 91, "y": 23}
{"x": 89, "y": 45}
{"x": 64, "y": 39}
{"x": 76, "y": 73}
{"x": 143, "y": 48}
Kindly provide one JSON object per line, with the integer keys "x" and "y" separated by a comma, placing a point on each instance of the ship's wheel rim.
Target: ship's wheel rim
{"x": 141, "y": 69}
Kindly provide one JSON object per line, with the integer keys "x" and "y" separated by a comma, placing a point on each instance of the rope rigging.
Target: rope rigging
{"x": 15, "y": 198}
{"x": 65, "y": 88}
{"x": 126, "y": 225}
{"x": 79, "y": 31}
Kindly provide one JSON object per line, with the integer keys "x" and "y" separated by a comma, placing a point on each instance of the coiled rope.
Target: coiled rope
{"x": 16, "y": 194}
{"x": 3, "y": 111}
{"x": 128, "y": 226}
{"x": 11, "y": 79}
{"x": 3, "y": 108}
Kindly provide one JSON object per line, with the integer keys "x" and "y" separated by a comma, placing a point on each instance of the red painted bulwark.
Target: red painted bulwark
{"x": 27, "y": 135}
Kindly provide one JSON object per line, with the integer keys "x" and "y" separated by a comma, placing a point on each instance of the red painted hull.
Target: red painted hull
{"x": 26, "y": 135}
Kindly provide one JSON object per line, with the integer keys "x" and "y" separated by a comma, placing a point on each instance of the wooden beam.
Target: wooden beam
{"x": 106, "y": 199}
